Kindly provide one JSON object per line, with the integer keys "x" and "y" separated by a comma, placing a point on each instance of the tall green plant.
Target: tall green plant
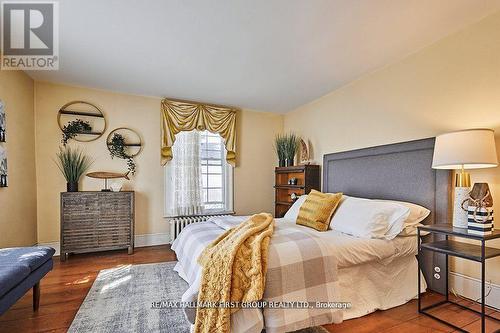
{"x": 291, "y": 145}
{"x": 279, "y": 146}
{"x": 73, "y": 163}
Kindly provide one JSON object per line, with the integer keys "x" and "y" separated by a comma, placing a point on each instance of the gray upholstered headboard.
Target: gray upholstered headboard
{"x": 400, "y": 171}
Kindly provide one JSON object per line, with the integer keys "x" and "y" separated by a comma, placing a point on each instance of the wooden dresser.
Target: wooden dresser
{"x": 96, "y": 221}
{"x": 308, "y": 178}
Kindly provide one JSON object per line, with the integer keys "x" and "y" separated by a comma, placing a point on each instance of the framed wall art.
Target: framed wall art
{"x": 3, "y": 167}
{"x": 3, "y": 123}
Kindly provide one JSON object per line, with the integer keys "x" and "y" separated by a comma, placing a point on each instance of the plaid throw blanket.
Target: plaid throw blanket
{"x": 301, "y": 272}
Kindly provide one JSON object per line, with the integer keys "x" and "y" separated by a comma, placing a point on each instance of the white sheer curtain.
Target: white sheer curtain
{"x": 183, "y": 186}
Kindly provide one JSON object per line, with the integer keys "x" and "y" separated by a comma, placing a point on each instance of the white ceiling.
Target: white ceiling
{"x": 270, "y": 55}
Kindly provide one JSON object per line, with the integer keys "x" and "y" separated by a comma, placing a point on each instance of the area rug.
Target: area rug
{"x": 121, "y": 300}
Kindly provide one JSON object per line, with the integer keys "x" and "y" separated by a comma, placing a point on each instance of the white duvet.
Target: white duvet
{"x": 373, "y": 273}
{"x": 351, "y": 250}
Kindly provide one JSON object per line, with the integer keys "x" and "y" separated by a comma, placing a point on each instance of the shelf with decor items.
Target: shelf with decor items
{"x": 300, "y": 179}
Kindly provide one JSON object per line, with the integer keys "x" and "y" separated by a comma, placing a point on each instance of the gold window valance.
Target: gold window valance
{"x": 178, "y": 116}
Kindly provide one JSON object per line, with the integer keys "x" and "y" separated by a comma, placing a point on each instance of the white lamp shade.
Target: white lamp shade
{"x": 470, "y": 149}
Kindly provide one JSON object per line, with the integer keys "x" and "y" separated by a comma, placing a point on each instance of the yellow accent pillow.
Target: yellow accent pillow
{"x": 316, "y": 212}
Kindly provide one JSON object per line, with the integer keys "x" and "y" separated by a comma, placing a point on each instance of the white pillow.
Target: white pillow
{"x": 293, "y": 212}
{"x": 367, "y": 218}
{"x": 409, "y": 226}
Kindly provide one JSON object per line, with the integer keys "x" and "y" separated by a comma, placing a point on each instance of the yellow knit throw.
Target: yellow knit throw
{"x": 234, "y": 270}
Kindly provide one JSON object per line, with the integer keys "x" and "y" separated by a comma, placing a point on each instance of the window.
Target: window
{"x": 198, "y": 155}
{"x": 213, "y": 172}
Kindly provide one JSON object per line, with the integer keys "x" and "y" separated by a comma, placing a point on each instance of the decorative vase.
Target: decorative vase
{"x": 72, "y": 187}
{"x": 459, "y": 213}
{"x": 281, "y": 163}
{"x": 288, "y": 162}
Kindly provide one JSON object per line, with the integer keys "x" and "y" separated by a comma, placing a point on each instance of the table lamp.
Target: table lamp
{"x": 461, "y": 150}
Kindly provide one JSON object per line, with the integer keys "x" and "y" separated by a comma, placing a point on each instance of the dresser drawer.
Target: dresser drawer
{"x": 115, "y": 210}
{"x": 73, "y": 241}
{"x": 76, "y": 209}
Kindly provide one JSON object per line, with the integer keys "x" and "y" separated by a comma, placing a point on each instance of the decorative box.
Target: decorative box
{"x": 480, "y": 220}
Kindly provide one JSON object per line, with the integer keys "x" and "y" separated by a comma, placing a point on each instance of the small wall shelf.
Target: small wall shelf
{"x": 132, "y": 139}
{"x": 81, "y": 113}
{"x": 84, "y": 112}
{"x": 89, "y": 133}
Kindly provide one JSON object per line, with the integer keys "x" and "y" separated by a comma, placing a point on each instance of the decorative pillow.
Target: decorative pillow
{"x": 367, "y": 218}
{"x": 317, "y": 210}
{"x": 293, "y": 212}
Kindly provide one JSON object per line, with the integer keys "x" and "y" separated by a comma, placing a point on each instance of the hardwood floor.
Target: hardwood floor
{"x": 65, "y": 287}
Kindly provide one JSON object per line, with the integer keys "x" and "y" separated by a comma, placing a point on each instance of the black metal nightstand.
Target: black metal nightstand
{"x": 478, "y": 253}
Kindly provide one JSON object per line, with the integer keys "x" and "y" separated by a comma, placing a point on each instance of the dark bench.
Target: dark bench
{"x": 22, "y": 268}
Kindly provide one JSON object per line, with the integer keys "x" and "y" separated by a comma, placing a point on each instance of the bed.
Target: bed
{"x": 371, "y": 273}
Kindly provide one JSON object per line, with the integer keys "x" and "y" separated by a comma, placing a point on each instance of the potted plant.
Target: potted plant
{"x": 73, "y": 128}
{"x": 279, "y": 147}
{"x": 73, "y": 163}
{"x": 291, "y": 146}
{"x": 286, "y": 146}
{"x": 117, "y": 148}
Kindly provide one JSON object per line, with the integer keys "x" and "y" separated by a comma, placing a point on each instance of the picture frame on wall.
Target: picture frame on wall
{"x": 3, "y": 167}
{"x": 3, "y": 122}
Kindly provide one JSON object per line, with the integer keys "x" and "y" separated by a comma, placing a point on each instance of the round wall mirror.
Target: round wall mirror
{"x": 124, "y": 143}
{"x": 81, "y": 121}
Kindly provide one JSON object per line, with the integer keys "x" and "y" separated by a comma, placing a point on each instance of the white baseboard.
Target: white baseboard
{"x": 470, "y": 287}
{"x": 152, "y": 239}
{"x": 140, "y": 241}
{"x": 55, "y": 245}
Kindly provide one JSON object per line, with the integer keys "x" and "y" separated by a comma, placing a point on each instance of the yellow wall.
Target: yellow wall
{"x": 453, "y": 84}
{"x": 253, "y": 177}
{"x": 18, "y": 201}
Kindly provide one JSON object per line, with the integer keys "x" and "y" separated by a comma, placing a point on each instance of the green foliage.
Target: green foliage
{"x": 117, "y": 148}
{"x": 286, "y": 146}
{"x": 73, "y": 163}
{"x": 292, "y": 145}
{"x": 73, "y": 128}
{"x": 279, "y": 146}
